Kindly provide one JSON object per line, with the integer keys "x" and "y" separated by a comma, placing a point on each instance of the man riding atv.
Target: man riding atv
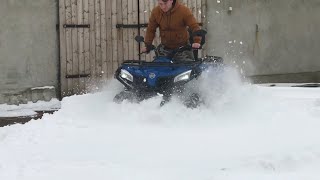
{"x": 175, "y": 68}
{"x": 173, "y": 19}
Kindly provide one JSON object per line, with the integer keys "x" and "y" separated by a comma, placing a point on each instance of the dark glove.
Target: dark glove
{"x": 149, "y": 47}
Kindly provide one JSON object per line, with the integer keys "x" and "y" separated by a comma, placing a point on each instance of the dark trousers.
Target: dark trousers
{"x": 186, "y": 55}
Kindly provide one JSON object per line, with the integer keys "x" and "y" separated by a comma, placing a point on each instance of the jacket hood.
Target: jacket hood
{"x": 176, "y": 4}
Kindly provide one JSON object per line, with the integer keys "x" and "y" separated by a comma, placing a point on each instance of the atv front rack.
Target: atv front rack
{"x": 168, "y": 64}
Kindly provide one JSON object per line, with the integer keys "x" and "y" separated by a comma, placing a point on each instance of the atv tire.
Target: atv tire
{"x": 123, "y": 95}
{"x": 193, "y": 101}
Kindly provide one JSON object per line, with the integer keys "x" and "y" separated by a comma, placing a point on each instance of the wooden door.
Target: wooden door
{"x": 97, "y": 35}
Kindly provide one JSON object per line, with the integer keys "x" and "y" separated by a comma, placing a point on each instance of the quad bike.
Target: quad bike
{"x": 164, "y": 76}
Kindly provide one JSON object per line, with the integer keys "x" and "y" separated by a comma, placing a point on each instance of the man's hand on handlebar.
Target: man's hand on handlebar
{"x": 196, "y": 45}
{"x": 144, "y": 49}
{"x": 147, "y": 48}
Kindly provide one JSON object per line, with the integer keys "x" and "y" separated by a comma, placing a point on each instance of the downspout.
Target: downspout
{"x": 139, "y": 27}
{"x": 58, "y": 91}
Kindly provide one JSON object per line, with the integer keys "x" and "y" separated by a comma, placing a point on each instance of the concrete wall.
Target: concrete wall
{"x": 267, "y": 38}
{"x": 28, "y": 46}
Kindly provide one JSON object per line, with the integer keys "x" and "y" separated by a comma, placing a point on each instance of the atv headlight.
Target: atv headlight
{"x": 124, "y": 74}
{"x": 183, "y": 76}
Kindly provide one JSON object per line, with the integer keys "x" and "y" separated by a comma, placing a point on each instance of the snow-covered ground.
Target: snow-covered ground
{"x": 28, "y": 109}
{"x": 247, "y": 132}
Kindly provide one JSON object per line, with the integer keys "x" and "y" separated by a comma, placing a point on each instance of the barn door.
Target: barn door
{"x": 97, "y": 35}
{"x": 89, "y": 43}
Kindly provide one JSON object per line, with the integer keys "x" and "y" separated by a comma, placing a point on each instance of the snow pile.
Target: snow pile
{"x": 245, "y": 132}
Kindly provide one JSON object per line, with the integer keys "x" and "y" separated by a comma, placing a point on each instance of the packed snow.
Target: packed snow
{"x": 243, "y": 131}
{"x": 28, "y": 109}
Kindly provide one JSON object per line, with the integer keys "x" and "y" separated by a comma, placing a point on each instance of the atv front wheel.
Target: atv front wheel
{"x": 123, "y": 95}
{"x": 193, "y": 101}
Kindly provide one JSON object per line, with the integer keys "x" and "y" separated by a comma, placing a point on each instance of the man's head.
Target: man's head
{"x": 165, "y": 5}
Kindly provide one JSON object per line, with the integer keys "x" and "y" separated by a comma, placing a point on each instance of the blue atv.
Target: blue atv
{"x": 164, "y": 76}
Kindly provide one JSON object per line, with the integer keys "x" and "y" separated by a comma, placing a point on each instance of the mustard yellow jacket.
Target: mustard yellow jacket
{"x": 172, "y": 25}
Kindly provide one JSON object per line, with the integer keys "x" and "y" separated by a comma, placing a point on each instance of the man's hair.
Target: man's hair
{"x": 174, "y": 1}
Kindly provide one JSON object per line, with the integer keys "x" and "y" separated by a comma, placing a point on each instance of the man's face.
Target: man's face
{"x": 165, "y": 6}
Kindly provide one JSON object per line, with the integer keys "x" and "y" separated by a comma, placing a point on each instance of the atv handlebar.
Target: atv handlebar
{"x": 200, "y": 33}
{"x": 147, "y": 52}
{"x": 184, "y": 48}
{"x": 174, "y": 51}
